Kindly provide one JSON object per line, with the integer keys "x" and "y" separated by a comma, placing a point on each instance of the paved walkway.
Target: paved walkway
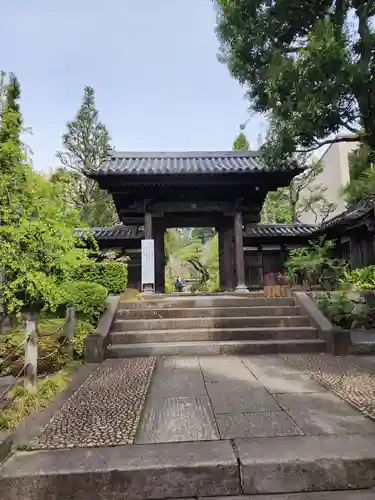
{"x": 211, "y": 426}
{"x": 215, "y": 398}
{"x": 228, "y": 397}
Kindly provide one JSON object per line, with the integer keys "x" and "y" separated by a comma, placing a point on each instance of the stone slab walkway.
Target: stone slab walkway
{"x": 229, "y": 397}
{"x": 215, "y": 398}
{"x": 105, "y": 410}
{"x": 211, "y": 427}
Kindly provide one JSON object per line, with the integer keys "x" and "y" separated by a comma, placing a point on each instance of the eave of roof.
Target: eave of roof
{"x": 255, "y": 231}
{"x": 279, "y": 230}
{"x": 181, "y": 163}
{"x": 112, "y": 233}
{"x": 350, "y": 216}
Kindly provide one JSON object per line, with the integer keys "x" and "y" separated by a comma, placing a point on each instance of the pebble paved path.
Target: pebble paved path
{"x": 349, "y": 377}
{"x": 105, "y": 410}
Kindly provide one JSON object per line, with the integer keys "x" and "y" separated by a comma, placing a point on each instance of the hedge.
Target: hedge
{"x": 112, "y": 275}
{"x": 88, "y": 298}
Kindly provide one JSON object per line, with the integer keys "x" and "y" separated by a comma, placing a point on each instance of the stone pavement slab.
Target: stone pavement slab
{"x": 159, "y": 471}
{"x": 237, "y": 397}
{"x": 177, "y": 377}
{"x": 324, "y": 413}
{"x": 178, "y": 419}
{"x": 251, "y": 425}
{"x": 306, "y": 463}
{"x": 227, "y": 369}
{"x": 325, "y": 402}
{"x": 278, "y": 376}
{"x": 178, "y": 408}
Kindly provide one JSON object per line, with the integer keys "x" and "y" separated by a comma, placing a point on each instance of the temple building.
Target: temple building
{"x": 225, "y": 190}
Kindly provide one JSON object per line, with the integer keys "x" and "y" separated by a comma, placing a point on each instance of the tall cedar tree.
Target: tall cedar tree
{"x": 86, "y": 145}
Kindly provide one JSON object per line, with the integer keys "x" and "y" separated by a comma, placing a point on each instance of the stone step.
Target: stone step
{"x": 214, "y": 348}
{"x": 210, "y": 301}
{"x": 264, "y": 469}
{"x": 322, "y": 495}
{"x": 131, "y": 325}
{"x": 368, "y": 494}
{"x": 204, "y": 312}
{"x": 214, "y": 334}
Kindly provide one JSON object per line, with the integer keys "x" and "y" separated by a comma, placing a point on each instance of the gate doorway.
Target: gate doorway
{"x": 191, "y": 260}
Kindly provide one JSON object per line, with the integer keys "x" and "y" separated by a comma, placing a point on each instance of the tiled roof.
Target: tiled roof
{"x": 352, "y": 214}
{"x": 256, "y": 230}
{"x": 272, "y": 230}
{"x": 180, "y": 163}
{"x": 112, "y": 233}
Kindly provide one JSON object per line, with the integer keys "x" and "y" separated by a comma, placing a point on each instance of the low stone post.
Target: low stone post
{"x": 70, "y": 327}
{"x": 31, "y": 355}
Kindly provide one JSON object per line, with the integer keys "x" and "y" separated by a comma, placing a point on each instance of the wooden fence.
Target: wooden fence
{"x": 29, "y": 370}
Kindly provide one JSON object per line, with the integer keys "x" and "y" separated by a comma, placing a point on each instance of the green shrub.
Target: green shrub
{"x": 88, "y": 298}
{"x": 83, "y": 329}
{"x": 315, "y": 265}
{"x": 359, "y": 279}
{"x": 336, "y": 307}
{"x": 112, "y": 275}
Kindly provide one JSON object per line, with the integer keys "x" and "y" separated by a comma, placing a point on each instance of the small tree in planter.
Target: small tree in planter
{"x": 314, "y": 265}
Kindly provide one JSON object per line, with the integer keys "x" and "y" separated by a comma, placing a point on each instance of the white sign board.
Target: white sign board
{"x": 148, "y": 262}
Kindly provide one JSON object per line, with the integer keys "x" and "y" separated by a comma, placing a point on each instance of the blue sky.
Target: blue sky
{"x": 152, "y": 64}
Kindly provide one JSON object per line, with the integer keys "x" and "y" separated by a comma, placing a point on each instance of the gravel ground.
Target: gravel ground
{"x": 347, "y": 377}
{"x": 105, "y": 410}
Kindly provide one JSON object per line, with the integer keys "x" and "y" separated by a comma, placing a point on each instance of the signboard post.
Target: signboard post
{"x": 148, "y": 266}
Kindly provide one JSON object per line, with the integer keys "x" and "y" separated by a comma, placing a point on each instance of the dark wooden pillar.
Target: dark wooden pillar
{"x": 159, "y": 258}
{"x": 260, "y": 266}
{"x": 229, "y": 272}
{"x": 283, "y": 257}
{"x": 239, "y": 253}
{"x": 222, "y": 276}
{"x": 148, "y": 225}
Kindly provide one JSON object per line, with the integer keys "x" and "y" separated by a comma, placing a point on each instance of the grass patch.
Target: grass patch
{"x": 23, "y": 403}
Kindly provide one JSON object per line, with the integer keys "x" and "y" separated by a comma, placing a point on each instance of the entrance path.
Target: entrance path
{"x": 215, "y": 427}
{"x": 228, "y": 397}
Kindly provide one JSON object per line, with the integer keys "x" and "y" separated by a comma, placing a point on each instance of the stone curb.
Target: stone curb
{"x": 328, "y": 495}
{"x": 263, "y": 466}
{"x": 337, "y": 340}
{"x": 29, "y": 428}
{"x": 96, "y": 344}
{"x": 6, "y": 444}
{"x": 306, "y": 463}
{"x": 173, "y": 470}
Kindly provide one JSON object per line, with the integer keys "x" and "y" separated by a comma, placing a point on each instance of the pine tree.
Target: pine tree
{"x": 86, "y": 145}
{"x": 241, "y": 143}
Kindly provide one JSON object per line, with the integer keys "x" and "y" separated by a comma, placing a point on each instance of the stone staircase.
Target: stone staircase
{"x": 211, "y": 325}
